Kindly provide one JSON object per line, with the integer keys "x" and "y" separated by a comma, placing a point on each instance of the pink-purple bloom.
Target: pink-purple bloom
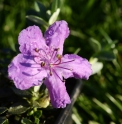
{"x": 41, "y": 60}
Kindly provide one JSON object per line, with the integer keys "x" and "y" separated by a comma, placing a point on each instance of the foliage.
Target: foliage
{"x": 96, "y": 27}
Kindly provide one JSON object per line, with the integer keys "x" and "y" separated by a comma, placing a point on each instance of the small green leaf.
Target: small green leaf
{"x": 39, "y": 7}
{"x": 11, "y": 42}
{"x": 36, "y": 120}
{"x": 36, "y": 104}
{"x": 55, "y": 5}
{"x": 114, "y": 101}
{"x": 38, "y": 113}
{"x": 105, "y": 107}
{"x": 93, "y": 122}
{"x": 19, "y": 108}
{"x": 75, "y": 119}
{"x": 3, "y": 120}
{"x": 95, "y": 44}
{"x": 26, "y": 121}
{"x": 37, "y": 20}
{"x": 108, "y": 39}
{"x": 54, "y": 16}
{"x": 3, "y": 109}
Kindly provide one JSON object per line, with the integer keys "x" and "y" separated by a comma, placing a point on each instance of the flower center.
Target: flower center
{"x": 49, "y": 59}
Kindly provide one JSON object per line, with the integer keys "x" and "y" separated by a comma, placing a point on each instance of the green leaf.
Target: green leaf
{"x": 38, "y": 113}
{"x": 106, "y": 55}
{"x": 3, "y": 109}
{"x": 36, "y": 104}
{"x": 114, "y": 101}
{"x": 3, "y": 120}
{"x": 93, "y": 122}
{"x": 95, "y": 44}
{"x": 55, "y": 5}
{"x": 105, "y": 107}
{"x": 39, "y": 7}
{"x": 19, "y": 108}
{"x": 54, "y": 16}
{"x": 26, "y": 121}
{"x": 11, "y": 42}
{"x": 108, "y": 39}
{"x": 21, "y": 92}
{"x": 36, "y": 120}
{"x": 37, "y": 20}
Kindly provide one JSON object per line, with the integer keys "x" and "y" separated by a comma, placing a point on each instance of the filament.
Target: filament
{"x": 58, "y": 76}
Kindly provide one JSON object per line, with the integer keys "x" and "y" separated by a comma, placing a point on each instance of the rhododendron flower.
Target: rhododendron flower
{"x": 41, "y": 60}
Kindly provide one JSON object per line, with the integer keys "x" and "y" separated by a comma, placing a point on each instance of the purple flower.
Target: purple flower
{"x": 41, "y": 60}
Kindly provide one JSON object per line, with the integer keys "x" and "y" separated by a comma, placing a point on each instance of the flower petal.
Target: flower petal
{"x": 57, "y": 90}
{"x": 25, "y": 73}
{"x": 30, "y": 39}
{"x": 56, "y": 34}
{"x": 77, "y": 67}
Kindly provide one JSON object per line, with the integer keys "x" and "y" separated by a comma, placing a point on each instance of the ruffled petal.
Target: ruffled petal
{"x": 56, "y": 34}
{"x": 75, "y": 66}
{"x": 57, "y": 90}
{"x": 25, "y": 73}
{"x": 30, "y": 39}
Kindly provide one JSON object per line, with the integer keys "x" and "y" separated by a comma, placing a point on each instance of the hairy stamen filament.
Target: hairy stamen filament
{"x": 58, "y": 76}
{"x": 67, "y": 61}
{"x": 52, "y": 55}
{"x": 42, "y": 56}
{"x": 50, "y": 71}
{"x": 36, "y": 50}
{"x": 55, "y": 51}
{"x": 42, "y": 64}
{"x": 57, "y": 61}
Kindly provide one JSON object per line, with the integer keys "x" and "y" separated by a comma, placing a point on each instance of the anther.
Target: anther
{"x": 56, "y": 49}
{"x": 51, "y": 74}
{"x": 63, "y": 79}
{"x": 42, "y": 64}
{"x": 59, "y": 56}
{"x": 36, "y": 50}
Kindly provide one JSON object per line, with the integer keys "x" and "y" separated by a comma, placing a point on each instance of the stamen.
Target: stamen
{"x": 59, "y": 56}
{"x": 58, "y": 76}
{"x": 42, "y": 64}
{"x": 59, "y": 59}
{"x": 44, "y": 53}
{"x": 53, "y": 55}
{"x": 36, "y": 50}
{"x": 68, "y": 61}
{"x": 50, "y": 72}
{"x": 36, "y": 59}
{"x": 56, "y": 51}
